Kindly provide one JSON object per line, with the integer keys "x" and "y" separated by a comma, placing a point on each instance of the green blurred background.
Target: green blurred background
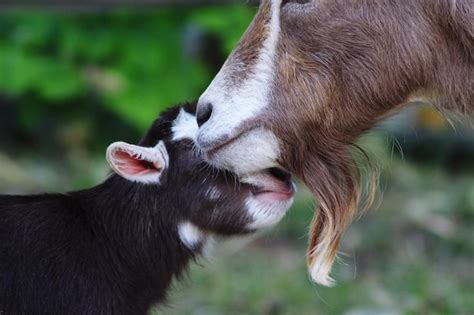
{"x": 73, "y": 81}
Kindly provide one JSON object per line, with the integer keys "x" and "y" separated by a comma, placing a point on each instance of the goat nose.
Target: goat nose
{"x": 204, "y": 113}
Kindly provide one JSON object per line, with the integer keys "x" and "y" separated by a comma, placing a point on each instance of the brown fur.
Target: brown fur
{"x": 244, "y": 57}
{"x": 342, "y": 66}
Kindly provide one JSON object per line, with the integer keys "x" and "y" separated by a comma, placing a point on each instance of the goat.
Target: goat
{"x": 115, "y": 248}
{"x": 309, "y": 77}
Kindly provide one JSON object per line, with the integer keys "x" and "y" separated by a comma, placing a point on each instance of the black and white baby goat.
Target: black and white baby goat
{"x": 115, "y": 248}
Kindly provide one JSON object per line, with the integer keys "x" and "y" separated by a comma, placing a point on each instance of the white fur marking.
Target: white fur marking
{"x": 232, "y": 107}
{"x": 213, "y": 193}
{"x": 266, "y": 214}
{"x": 190, "y": 235}
{"x": 185, "y": 126}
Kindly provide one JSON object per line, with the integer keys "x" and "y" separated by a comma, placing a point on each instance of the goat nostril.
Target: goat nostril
{"x": 204, "y": 113}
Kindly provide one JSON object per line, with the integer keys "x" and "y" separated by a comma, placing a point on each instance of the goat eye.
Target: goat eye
{"x": 285, "y": 2}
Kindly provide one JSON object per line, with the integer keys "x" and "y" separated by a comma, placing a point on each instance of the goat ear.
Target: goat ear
{"x": 138, "y": 164}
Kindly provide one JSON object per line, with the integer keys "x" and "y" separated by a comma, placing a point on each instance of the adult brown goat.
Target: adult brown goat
{"x": 309, "y": 77}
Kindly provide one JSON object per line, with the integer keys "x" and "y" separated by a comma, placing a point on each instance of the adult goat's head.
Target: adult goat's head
{"x": 274, "y": 105}
{"x": 309, "y": 77}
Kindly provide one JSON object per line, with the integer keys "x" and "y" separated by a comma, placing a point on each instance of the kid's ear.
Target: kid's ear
{"x": 138, "y": 164}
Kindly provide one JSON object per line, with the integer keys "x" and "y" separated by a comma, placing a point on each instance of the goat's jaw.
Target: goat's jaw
{"x": 249, "y": 153}
{"x": 271, "y": 197}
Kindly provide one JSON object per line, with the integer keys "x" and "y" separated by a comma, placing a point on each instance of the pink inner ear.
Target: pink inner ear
{"x": 134, "y": 166}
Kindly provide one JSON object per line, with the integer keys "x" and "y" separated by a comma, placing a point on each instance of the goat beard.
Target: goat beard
{"x": 335, "y": 179}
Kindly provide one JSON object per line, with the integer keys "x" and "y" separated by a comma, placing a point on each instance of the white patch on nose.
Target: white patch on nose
{"x": 232, "y": 106}
{"x": 191, "y": 235}
{"x": 185, "y": 126}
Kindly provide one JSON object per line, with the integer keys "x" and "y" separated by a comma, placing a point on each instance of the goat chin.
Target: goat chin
{"x": 248, "y": 153}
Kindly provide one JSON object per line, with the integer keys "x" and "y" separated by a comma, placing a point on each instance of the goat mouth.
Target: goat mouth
{"x": 273, "y": 184}
{"x": 213, "y": 148}
{"x": 223, "y": 143}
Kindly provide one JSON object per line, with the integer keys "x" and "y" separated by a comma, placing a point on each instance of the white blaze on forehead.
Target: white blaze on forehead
{"x": 232, "y": 106}
{"x": 185, "y": 126}
{"x": 191, "y": 235}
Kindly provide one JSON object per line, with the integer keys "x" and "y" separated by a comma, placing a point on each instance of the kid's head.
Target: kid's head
{"x": 202, "y": 201}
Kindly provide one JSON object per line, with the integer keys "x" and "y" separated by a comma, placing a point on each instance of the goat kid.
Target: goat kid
{"x": 115, "y": 248}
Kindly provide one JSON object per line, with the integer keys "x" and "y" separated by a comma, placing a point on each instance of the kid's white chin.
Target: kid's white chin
{"x": 271, "y": 196}
{"x": 267, "y": 214}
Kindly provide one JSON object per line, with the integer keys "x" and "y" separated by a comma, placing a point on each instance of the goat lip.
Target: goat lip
{"x": 212, "y": 148}
{"x": 287, "y": 187}
{"x": 274, "y": 185}
{"x": 272, "y": 195}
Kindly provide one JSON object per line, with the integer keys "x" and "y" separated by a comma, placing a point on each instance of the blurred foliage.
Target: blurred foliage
{"x": 133, "y": 64}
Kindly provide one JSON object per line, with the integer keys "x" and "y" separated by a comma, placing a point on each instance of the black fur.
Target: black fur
{"x": 114, "y": 248}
